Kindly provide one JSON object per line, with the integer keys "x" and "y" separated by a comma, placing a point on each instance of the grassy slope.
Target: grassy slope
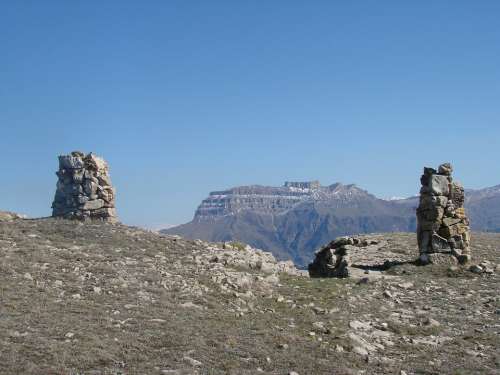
{"x": 111, "y": 299}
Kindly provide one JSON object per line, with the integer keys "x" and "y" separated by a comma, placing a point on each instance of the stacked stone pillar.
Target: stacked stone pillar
{"x": 443, "y": 228}
{"x": 84, "y": 189}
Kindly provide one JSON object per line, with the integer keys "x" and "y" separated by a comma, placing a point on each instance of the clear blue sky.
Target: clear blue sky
{"x": 185, "y": 97}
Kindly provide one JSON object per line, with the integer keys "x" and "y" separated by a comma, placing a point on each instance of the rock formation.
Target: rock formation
{"x": 6, "y": 216}
{"x": 84, "y": 189}
{"x": 443, "y": 228}
{"x": 261, "y": 199}
{"x": 357, "y": 257}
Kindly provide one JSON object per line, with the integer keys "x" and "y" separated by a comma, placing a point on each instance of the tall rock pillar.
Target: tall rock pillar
{"x": 442, "y": 226}
{"x": 84, "y": 190}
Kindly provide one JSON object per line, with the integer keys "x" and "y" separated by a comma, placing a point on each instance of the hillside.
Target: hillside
{"x": 484, "y": 208}
{"x": 294, "y": 220}
{"x": 110, "y": 299}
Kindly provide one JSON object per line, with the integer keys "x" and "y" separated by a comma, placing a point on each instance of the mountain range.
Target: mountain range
{"x": 294, "y": 220}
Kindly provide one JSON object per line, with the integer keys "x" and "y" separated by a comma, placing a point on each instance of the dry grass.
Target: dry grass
{"x": 102, "y": 299}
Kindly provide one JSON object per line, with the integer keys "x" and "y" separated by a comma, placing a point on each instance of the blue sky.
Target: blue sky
{"x": 187, "y": 97}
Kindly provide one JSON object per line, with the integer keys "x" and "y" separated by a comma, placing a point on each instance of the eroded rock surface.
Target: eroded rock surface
{"x": 84, "y": 189}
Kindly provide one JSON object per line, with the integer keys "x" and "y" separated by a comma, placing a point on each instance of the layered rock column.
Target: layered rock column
{"x": 443, "y": 228}
{"x": 84, "y": 189}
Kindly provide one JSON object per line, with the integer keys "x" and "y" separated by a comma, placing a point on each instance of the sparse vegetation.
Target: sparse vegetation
{"x": 237, "y": 245}
{"x": 109, "y": 299}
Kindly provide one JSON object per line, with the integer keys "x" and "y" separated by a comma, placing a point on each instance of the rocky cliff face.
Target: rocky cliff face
{"x": 272, "y": 200}
{"x": 298, "y": 218}
{"x": 294, "y": 220}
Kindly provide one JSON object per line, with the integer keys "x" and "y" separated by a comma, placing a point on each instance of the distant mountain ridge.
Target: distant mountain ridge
{"x": 272, "y": 200}
{"x": 483, "y": 207}
{"x": 294, "y": 220}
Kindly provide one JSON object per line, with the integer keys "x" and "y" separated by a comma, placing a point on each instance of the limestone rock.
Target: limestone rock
{"x": 439, "y": 185}
{"x": 84, "y": 189}
{"x": 9, "y": 216}
{"x": 445, "y": 169}
{"x": 443, "y": 228}
{"x": 354, "y": 257}
{"x": 70, "y": 162}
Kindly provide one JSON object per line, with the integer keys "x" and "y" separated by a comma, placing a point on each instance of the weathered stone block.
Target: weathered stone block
{"x": 450, "y": 221}
{"x": 428, "y": 201}
{"x": 439, "y": 185}
{"x": 70, "y": 162}
{"x": 93, "y": 205}
{"x": 457, "y": 194}
{"x": 439, "y": 244}
{"x": 78, "y": 175}
{"x": 434, "y": 214}
{"x": 90, "y": 187}
{"x": 445, "y": 169}
{"x": 460, "y": 213}
{"x": 93, "y": 162}
{"x": 455, "y": 229}
{"x": 104, "y": 180}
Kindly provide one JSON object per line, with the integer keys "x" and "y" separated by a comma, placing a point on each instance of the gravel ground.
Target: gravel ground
{"x": 110, "y": 299}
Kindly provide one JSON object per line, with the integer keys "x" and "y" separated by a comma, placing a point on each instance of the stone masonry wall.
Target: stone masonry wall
{"x": 84, "y": 189}
{"x": 443, "y": 228}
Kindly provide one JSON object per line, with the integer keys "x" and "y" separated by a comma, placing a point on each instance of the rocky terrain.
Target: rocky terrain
{"x": 9, "y": 216}
{"x": 100, "y": 298}
{"x": 296, "y": 219}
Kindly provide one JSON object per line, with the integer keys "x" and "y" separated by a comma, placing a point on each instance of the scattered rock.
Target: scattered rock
{"x": 432, "y": 322}
{"x": 356, "y": 324}
{"x": 191, "y": 361}
{"x": 191, "y": 305}
{"x": 407, "y": 285}
{"x": 387, "y": 294}
{"x": 360, "y": 350}
{"x": 475, "y": 268}
{"x": 320, "y": 327}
